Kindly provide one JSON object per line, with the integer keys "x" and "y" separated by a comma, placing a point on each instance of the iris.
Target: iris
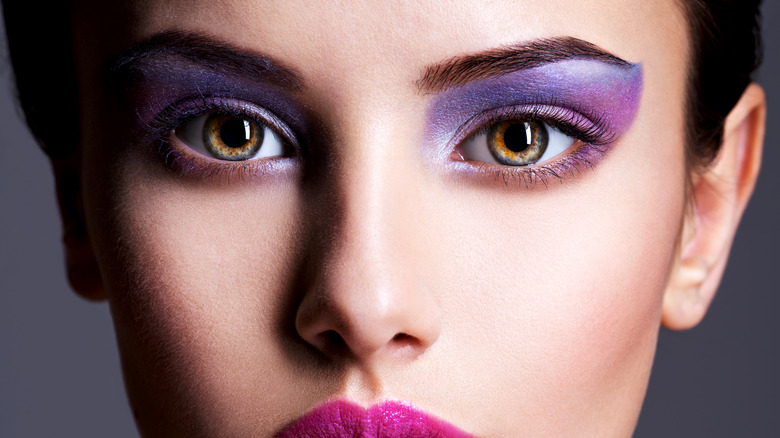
{"x": 231, "y": 138}
{"x": 518, "y": 142}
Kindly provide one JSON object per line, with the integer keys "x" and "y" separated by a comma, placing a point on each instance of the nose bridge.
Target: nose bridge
{"x": 364, "y": 204}
{"x": 373, "y": 193}
{"x": 358, "y": 265}
{"x": 365, "y": 295}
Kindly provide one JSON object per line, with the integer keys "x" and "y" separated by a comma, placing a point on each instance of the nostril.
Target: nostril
{"x": 332, "y": 343}
{"x": 401, "y": 337}
{"x": 333, "y": 339}
{"x": 404, "y": 345}
{"x": 403, "y": 341}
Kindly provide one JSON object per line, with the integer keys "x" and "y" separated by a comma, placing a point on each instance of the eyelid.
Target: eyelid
{"x": 183, "y": 161}
{"x": 558, "y": 143}
{"x": 569, "y": 122}
{"x": 594, "y": 138}
{"x": 185, "y": 111}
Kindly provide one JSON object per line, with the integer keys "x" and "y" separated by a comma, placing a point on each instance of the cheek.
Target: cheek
{"x": 199, "y": 287}
{"x": 571, "y": 279}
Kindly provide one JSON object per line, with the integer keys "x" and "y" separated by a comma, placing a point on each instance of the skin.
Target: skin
{"x": 523, "y": 312}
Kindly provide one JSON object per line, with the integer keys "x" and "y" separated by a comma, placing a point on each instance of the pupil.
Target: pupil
{"x": 517, "y": 137}
{"x": 235, "y": 133}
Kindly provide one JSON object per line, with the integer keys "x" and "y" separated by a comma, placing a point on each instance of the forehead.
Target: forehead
{"x": 362, "y": 41}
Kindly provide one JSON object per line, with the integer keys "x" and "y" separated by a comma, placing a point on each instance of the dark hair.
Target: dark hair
{"x": 40, "y": 51}
{"x": 725, "y": 50}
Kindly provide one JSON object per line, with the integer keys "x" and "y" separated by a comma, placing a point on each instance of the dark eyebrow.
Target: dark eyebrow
{"x": 460, "y": 70}
{"x": 207, "y": 52}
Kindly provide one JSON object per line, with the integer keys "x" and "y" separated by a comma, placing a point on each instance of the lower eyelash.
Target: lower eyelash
{"x": 586, "y": 157}
{"x": 186, "y": 163}
{"x": 593, "y": 134}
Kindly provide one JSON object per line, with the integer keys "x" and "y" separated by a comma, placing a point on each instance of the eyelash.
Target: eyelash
{"x": 183, "y": 161}
{"x": 593, "y": 134}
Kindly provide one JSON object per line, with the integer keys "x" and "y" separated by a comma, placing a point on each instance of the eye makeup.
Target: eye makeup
{"x": 592, "y": 101}
{"x": 166, "y": 92}
{"x": 169, "y": 83}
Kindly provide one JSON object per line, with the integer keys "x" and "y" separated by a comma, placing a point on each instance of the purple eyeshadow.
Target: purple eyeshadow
{"x": 151, "y": 86}
{"x": 602, "y": 93}
{"x": 591, "y": 100}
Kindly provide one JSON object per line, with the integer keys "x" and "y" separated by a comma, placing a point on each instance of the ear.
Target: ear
{"x": 720, "y": 195}
{"x": 80, "y": 262}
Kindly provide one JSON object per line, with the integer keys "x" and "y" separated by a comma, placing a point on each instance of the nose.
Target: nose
{"x": 367, "y": 298}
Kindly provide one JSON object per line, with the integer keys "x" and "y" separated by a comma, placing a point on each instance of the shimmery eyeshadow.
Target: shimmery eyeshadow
{"x": 150, "y": 86}
{"x": 162, "y": 92}
{"x": 598, "y": 91}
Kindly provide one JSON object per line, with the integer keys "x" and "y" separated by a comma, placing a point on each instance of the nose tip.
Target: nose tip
{"x": 349, "y": 317}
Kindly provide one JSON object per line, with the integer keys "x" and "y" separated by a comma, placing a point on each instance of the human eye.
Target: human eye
{"x": 518, "y": 142}
{"x": 531, "y": 144}
{"x": 230, "y": 137}
{"x": 214, "y": 136}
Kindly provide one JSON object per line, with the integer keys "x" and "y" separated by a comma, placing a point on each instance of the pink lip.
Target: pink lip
{"x": 342, "y": 419}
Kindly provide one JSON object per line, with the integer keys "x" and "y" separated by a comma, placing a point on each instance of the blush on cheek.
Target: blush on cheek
{"x": 619, "y": 268}
{"x": 562, "y": 295}
{"x": 596, "y": 346}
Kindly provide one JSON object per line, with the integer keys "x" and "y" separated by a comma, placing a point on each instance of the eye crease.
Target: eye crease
{"x": 492, "y": 128}
{"x": 545, "y": 123}
{"x": 230, "y": 138}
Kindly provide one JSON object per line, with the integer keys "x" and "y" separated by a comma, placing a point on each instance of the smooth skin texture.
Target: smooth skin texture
{"x": 503, "y": 310}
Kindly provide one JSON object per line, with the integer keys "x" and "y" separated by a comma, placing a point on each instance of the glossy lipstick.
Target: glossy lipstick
{"x": 342, "y": 419}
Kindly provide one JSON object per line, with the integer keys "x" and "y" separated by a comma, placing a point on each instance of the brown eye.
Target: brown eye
{"x": 517, "y": 142}
{"x": 232, "y": 138}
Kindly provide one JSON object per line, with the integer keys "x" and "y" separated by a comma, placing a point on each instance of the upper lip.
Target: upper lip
{"x": 341, "y": 418}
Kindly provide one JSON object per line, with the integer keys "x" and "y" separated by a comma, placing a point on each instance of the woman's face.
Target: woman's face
{"x": 378, "y": 246}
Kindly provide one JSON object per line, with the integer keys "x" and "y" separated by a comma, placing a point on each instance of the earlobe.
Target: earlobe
{"x": 686, "y": 299}
{"x": 80, "y": 262}
{"x": 720, "y": 194}
{"x": 82, "y": 268}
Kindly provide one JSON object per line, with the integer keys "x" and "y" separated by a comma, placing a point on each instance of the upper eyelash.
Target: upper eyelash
{"x": 594, "y": 133}
{"x": 162, "y": 130}
{"x": 187, "y": 110}
{"x": 569, "y": 122}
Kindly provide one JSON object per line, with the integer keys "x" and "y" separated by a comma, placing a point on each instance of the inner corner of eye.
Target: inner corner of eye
{"x": 190, "y": 131}
{"x": 474, "y": 148}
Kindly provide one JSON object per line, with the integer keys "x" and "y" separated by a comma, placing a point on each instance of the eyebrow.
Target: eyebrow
{"x": 462, "y": 69}
{"x": 454, "y": 72}
{"x": 206, "y": 52}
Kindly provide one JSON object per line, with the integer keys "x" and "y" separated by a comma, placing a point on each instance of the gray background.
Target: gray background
{"x": 59, "y": 367}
